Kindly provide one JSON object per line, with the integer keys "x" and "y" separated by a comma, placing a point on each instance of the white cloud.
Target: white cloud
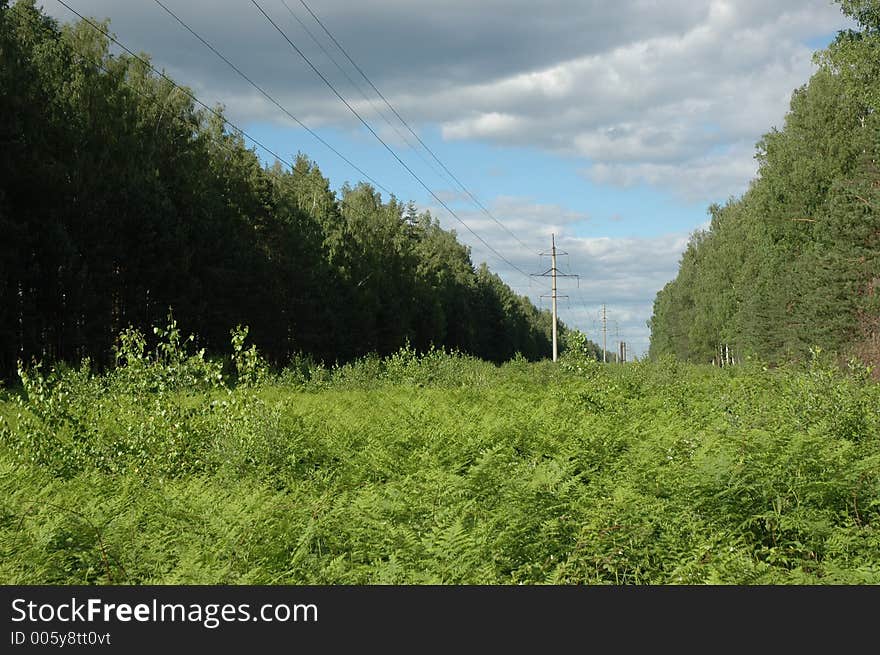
{"x": 716, "y": 175}
{"x": 658, "y": 110}
{"x": 641, "y": 89}
{"x": 490, "y": 125}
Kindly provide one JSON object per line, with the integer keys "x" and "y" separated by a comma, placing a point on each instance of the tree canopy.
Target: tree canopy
{"x": 121, "y": 198}
{"x": 794, "y": 263}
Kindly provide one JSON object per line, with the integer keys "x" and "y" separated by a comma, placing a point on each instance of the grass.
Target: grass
{"x": 441, "y": 469}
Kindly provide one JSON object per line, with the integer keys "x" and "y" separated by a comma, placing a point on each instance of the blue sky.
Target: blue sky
{"x": 491, "y": 170}
{"x": 611, "y": 125}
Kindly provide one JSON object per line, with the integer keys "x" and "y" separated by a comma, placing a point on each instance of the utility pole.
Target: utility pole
{"x": 619, "y": 342}
{"x": 604, "y": 335}
{"x": 553, "y": 273}
{"x": 553, "y": 287}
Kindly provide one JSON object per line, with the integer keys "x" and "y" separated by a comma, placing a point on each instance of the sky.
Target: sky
{"x": 612, "y": 126}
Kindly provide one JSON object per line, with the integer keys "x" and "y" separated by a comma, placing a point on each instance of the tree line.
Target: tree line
{"x": 121, "y": 198}
{"x": 794, "y": 263}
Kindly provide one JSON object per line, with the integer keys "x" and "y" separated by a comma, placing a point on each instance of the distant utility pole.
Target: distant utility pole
{"x": 724, "y": 358}
{"x": 619, "y": 342}
{"x": 604, "y": 335}
{"x": 553, "y": 273}
{"x": 553, "y": 288}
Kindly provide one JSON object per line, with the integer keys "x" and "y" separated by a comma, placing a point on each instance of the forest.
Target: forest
{"x": 224, "y": 372}
{"x": 794, "y": 264}
{"x": 120, "y": 198}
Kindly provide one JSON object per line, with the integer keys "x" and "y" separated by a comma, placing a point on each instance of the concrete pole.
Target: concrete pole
{"x": 553, "y": 270}
{"x": 604, "y": 336}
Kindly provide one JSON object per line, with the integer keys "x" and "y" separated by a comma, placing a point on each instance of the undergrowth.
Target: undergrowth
{"x": 434, "y": 467}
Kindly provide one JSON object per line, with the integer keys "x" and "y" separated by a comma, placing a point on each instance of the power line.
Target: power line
{"x": 269, "y": 97}
{"x": 358, "y": 87}
{"x": 583, "y": 302}
{"x": 186, "y": 91}
{"x": 225, "y": 121}
{"x": 175, "y": 86}
{"x": 226, "y": 145}
{"x": 381, "y": 140}
{"x": 553, "y": 273}
{"x": 411, "y": 131}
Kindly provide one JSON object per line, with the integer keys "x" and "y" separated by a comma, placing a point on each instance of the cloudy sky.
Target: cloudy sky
{"x": 612, "y": 125}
